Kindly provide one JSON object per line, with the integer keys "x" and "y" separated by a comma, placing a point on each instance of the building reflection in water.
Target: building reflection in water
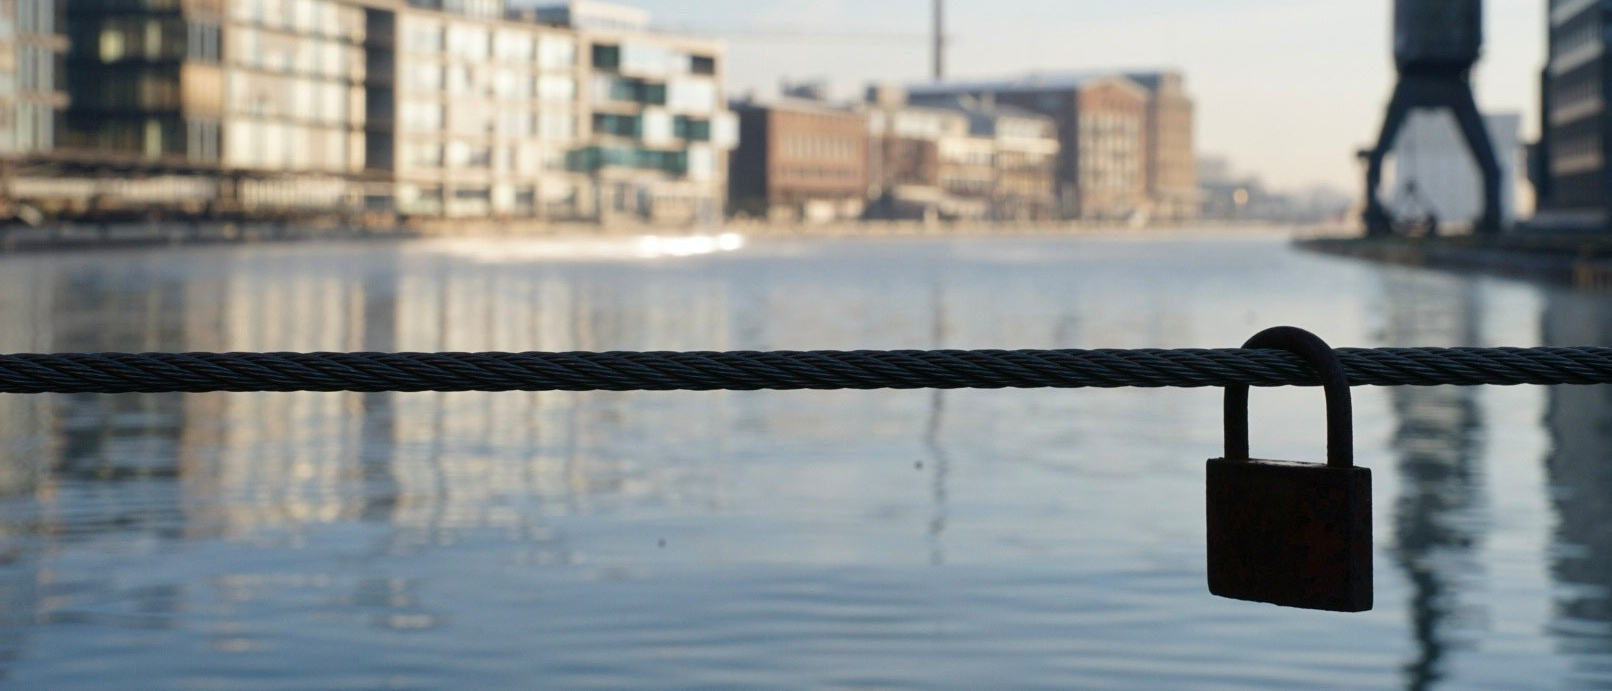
{"x": 196, "y": 466}
{"x": 1579, "y": 468}
{"x": 1437, "y": 438}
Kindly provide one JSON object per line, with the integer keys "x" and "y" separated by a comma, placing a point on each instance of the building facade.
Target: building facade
{"x": 246, "y": 105}
{"x": 32, "y": 91}
{"x": 905, "y": 143}
{"x": 799, "y": 160}
{"x": 1025, "y": 163}
{"x": 474, "y": 116}
{"x": 657, "y": 134}
{"x": 1171, "y": 163}
{"x": 411, "y": 108}
{"x": 1106, "y": 124}
{"x": 1571, "y": 175}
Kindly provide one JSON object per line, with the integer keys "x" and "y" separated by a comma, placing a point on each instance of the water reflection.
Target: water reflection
{"x": 1438, "y": 517}
{"x": 715, "y": 539}
{"x": 1579, "y": 420}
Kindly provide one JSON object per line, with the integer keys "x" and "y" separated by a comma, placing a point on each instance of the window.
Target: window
{"x": 557, "y": 52}
{"x": 607, "y": 57}
{"x": 702, "y": 64}
{"x": 512, "y": 46}
{"x": 469, "y": 43}
{"x": 423, "y": 38}
{"x": 619, "y": 125}
{"x": 692, "y": 128}
{"x": 202, "y": 41}
{"x": 556, "y": 89}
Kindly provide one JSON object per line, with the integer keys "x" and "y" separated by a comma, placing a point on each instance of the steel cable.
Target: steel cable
{"x": 784, "y": 370}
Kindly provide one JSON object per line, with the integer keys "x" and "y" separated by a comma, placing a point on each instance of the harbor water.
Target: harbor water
{"x": 1025, "y": 539}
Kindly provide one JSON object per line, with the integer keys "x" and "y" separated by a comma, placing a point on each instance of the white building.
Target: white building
{"x": 659, "y": 131}
{"x": 1435, "y": 173}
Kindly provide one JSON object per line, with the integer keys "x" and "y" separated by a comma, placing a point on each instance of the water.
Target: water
{"x": 793, "y": 540}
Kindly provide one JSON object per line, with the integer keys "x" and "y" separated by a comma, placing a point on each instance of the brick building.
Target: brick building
{"x": 1171, "y": 165}
{"x": 799, "y": 159}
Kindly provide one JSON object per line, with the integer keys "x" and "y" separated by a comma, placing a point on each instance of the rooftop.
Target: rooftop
{"x": 1038, "y": 81}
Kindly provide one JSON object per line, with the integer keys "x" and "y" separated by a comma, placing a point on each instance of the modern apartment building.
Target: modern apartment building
{"x": 1571, "y": 177}
{"x": 799, "y": 159}
{"x": 422, "y": 108}
{"x": 268, "y": 91}
{"x": 657, "y": 134}
{"x": 1105, "y": 123}
{"x": 472, "y": 116}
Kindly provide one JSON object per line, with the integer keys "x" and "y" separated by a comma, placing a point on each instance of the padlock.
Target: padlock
{"x": 1292, "y": 534}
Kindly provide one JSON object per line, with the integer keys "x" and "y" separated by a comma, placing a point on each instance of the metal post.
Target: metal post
{"x": 940, "y": 40}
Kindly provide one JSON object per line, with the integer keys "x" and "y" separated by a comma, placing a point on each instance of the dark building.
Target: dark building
{"x": 1576, "y": 130}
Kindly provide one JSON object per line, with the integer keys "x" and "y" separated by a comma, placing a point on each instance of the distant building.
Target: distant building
{"x": 658, "y": 132}
{"x": 1125, "y": 146}
{"x": 904, "y": 156}
{"x": 1434, "y": 172}
{"x": 1007, "y": 165}
{"x": 1227, "y": 195}
{"x": 799, "y": 159}
{"x": 959, "y": 157}
{"x": 1172, "y": 183}
{"x": 1572, "y": 180}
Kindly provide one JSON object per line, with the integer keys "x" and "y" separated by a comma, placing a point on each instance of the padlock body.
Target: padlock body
{"x": 1290, "y": 534}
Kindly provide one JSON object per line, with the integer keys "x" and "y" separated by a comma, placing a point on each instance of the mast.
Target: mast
{"x": 940, "y": 40}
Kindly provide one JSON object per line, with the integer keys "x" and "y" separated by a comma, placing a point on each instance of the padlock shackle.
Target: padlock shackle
{"x": 1316, "y": 352}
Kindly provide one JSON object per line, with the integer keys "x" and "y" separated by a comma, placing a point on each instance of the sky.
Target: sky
{"x": 1287, "y": 89}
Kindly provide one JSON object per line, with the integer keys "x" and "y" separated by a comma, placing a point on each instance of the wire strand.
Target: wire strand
{"x": 785, "y": 370}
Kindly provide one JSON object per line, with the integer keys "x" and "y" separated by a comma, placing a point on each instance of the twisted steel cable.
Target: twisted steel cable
{"x": 784, "y": 370}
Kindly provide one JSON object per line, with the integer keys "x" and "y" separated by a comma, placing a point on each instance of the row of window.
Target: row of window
{"x": 473, "y": 119}
{"x": 819, "y": 147}
{"x": 593, "y": 158}
{"x": 818, "y": 174}
{"x": 501, "y": 83}
{"x": 684, "y": 95}
{"x": 294, "y": 98}
{"x": 1573, "y": 101}
{"x": 478, "y": 44}
{"x": 461, "y": 155}
{"x": 277, "y": 52}
{"x": 325, "y": 18}
{"x": 654, "y": 126}
{"x": 650, "y": 60}
{"x": 272, "y": 145}
{"x": 1584, "y": 36}
{"x": 1576, "y": 154}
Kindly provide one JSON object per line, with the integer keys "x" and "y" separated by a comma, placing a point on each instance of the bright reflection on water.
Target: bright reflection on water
{"x": 812, "y": 540}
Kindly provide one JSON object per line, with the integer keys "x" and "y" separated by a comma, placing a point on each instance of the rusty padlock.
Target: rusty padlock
{"x": 1292, "y": 534}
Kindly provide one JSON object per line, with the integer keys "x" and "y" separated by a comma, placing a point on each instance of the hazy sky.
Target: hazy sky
{"x": 1287, "y": 88}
